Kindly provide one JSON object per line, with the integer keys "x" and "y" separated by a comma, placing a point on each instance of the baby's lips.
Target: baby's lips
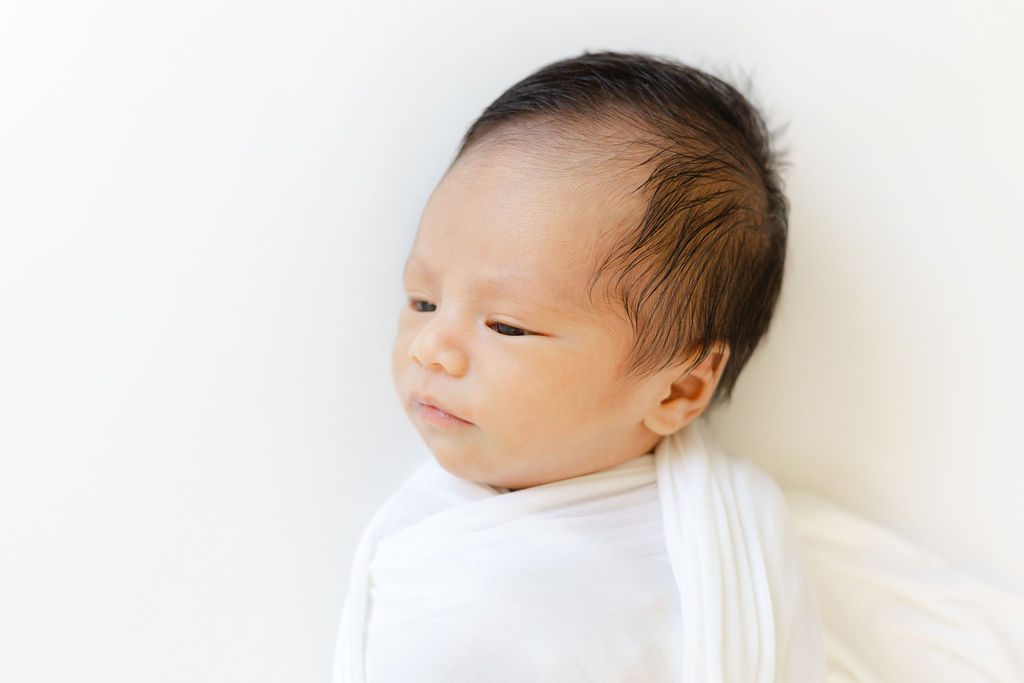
{"x": 430, "y": 402}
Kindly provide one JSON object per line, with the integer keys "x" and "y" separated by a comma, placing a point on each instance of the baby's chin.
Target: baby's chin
{"x": 496, "y": 477}
{"x": 465, "y": 467}
{"x": 472, "y": 464}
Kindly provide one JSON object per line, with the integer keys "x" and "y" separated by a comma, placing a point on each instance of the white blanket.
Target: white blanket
{"x": 579, "y": 580}
{"x": 894, "y": 611}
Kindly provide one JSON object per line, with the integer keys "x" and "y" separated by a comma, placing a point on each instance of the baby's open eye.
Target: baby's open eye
{"x": 423, "y": 306}
{"x": 508, "y": 330}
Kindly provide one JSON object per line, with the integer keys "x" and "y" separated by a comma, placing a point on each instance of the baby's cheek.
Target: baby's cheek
{"x": 573, "y": 370}
{"x": 563, "y": 377}
{"x": 565, "y": 388}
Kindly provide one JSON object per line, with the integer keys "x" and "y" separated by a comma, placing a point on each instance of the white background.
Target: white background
{"x": 204, "y": 209}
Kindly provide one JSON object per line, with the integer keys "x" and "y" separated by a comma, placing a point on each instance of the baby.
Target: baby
{"x": 592, "y": 273}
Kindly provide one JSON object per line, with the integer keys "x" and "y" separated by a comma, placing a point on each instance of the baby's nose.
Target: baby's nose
{"x": 437, "y": 348}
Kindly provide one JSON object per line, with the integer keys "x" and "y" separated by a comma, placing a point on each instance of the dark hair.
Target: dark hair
{"x": 704, "y": 265}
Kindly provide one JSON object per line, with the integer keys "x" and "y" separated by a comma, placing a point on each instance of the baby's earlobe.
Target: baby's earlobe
{"x": 659, "y": 425}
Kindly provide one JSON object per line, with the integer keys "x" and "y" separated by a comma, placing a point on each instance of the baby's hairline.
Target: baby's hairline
{"x": 568, "y": 142}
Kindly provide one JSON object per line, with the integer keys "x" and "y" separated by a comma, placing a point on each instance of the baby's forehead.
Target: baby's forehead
{"x": 600, "y": 182}
{"x": 531, "y": 204}
{"x": 600, "y": 167}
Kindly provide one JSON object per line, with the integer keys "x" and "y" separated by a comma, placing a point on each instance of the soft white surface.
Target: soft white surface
{"x": 204, "y": 208}
{"x": 893, "y": 611}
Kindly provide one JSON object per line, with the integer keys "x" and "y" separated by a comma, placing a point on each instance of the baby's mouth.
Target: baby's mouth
{"x": 432, "y": 411}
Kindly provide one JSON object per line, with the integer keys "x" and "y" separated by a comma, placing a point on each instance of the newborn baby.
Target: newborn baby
{"x": 590, "y": 275}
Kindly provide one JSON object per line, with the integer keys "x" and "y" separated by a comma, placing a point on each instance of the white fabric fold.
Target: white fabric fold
{"x": 895, "y": 611}
{"x": 678, "y": 566}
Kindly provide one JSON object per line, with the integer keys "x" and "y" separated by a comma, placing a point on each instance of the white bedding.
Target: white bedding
{"x": 892, "y": 611}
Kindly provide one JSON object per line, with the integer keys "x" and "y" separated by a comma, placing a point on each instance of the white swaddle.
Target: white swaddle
{"x": 580, "y": 580}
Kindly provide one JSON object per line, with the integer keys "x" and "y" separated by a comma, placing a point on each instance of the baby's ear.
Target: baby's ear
{"x": 686, "y": 395}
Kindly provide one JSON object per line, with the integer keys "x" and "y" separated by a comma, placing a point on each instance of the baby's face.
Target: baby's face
{"x": 512, "y": 378}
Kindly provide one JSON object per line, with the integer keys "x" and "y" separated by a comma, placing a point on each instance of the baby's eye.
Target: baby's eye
{"x": 423, "y": 306}
{"x": 509, "y": 330}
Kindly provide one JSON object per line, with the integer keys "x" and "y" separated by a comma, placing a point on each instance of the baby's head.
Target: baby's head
{"x": 593, "y": 271}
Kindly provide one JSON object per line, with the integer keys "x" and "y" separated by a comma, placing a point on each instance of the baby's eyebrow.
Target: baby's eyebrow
{"x": 498, "y": 285}
{"x": 520, "y": 285}
{"x": 413, "y": 265}
{"x": 502, "y": 284}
